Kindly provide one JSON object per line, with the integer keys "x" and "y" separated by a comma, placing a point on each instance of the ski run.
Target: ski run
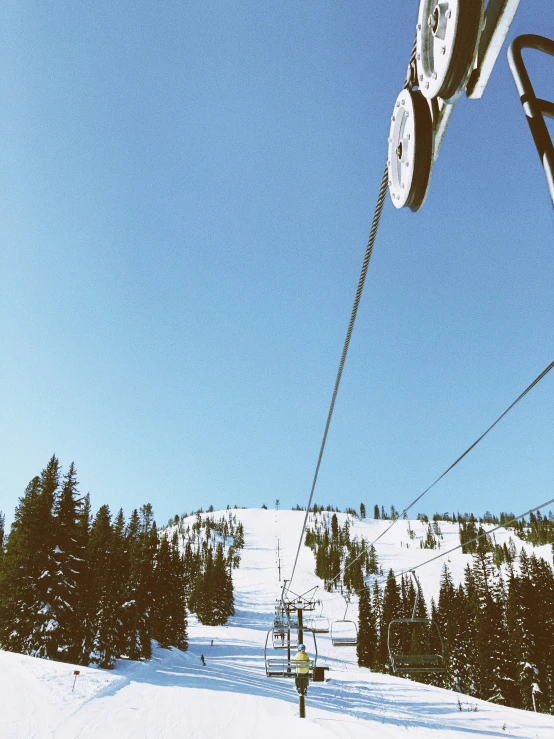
{"x": 173, "y": 695}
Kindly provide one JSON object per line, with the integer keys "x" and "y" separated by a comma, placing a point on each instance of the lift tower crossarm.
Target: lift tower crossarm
{"x": 498, "y": 18}
{"x": 499, "y": 15}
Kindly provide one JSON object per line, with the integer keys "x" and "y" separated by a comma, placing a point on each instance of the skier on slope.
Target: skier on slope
{"x": 302, "y": 663}
{"x": 202, "y": 660}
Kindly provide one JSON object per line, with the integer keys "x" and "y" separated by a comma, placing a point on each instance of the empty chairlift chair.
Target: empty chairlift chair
{"x": 415, "y": 644}
{"x": 344, "y": 633}
{"x": 283, "y": 638}
{"x": 319, "y": 623}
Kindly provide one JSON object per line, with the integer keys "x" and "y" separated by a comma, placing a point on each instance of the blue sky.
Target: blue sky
{"x": 187, "y": 192}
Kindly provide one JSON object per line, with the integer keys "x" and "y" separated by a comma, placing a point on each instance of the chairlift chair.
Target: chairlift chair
{"x": 344, "y": 633}
{"x": 319, "y": 623}
{"x": 276, "y": 666}
{"x": 283, "y": 639}
{"x": 415, "y": 644}
{"x": 284, "y": 620}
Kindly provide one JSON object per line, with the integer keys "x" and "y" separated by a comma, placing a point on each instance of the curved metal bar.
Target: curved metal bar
{"x": 534, "y": 108}
{"x": 403, "y": 664}
{"x": 283, "y": 666}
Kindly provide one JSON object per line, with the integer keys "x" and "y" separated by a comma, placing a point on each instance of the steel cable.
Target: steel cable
{"x": 480, "y": 536}
{"x": 467, "y": 451}
{"x": 503, "y": 525}
{"x": 361, "y": 282}
{"x": 408, "y": 84}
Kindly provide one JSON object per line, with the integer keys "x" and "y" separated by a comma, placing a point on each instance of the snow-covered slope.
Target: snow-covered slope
{"x": 173, "y": 695}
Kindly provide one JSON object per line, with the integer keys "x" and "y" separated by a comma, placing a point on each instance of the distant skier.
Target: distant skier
{"x": 202, "y": 660}
{"x": 212, "y": 643}
{"x": 302, "y": 663}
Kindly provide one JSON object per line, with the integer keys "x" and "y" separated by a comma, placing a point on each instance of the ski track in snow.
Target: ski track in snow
{"x": 174, "y": 696}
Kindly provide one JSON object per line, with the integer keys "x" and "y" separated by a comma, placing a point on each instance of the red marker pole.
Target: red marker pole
{"x": 76, "y": 673}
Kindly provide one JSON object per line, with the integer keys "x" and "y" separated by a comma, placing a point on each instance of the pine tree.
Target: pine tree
{"x": 205, "y": 607}
{"x": 367, "y": 635}
{"x": 149, "y": 541}
{"x": 28, "y": 567}
{"x": 162, "y": 606}
{"x": 104, "y": 619}
{"x": 447, "y": 621}
{"x": 64, "y": 643}
{"x": 220, "y": 589}
{"x": 169, "y": 615}
{"x": 490, "y": 644}
{"x": 391, "y": 609}
{"x": 40, "y": 640}
{"x": 2, "y": 524}
{"x": 179, "y": 619}
{"x": 135, "y": 607}
{"x": 83, "y": 627}
{"x": 372, "y": 562}
{"x": 20, "y": 570}
{"x": 335, "y": 530}
{"x": 229, "y": 597}
{"x": 120, "y": 573}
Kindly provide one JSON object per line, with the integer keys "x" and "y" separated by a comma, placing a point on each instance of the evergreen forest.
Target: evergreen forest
{"x": 89, "y": 589}
{"x": 496, "y": 626}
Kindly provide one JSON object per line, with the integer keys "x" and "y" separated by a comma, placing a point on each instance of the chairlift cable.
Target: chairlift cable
{"x": 480, "y": 536}
{"x": 459, "y": 459}
{"x": 361, "y": 282}
{"x": 411, "y": 77}
{"x": 503, "y": 525}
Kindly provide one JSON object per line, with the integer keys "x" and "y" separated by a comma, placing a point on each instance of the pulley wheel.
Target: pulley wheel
{"x": 448, "y": 33}
{"x": 410, "y": 153}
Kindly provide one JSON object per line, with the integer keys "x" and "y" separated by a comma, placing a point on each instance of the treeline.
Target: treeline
{"x": 538, "y": 530}
{"x": 211, "y": 551}
{"x": 334, "y": 550}
{"x": 497, "y": 629}
{"x": 85, "y": 589}
{"x": 337, "y": 552}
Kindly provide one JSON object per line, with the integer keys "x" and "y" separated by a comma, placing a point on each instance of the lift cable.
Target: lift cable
{"x": 469, "y": 541}
{"x": 481, "y": 536}
{"x": 467, "y": 451}
{"x": 401, "y": 573}
{"x": 361, "y": 281}
{"x": 410, "y": 80}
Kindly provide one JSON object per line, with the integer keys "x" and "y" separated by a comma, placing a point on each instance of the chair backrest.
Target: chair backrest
{"x": 344, "y": 633}
{"x": 415, "y": 645}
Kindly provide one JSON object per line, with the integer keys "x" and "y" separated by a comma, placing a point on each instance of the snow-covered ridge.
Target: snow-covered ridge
{"x": 173, "y": 695}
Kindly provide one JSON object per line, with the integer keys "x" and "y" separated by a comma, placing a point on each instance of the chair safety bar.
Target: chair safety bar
{"x": 534, "y": 108}
{"x": 277, "y": 667}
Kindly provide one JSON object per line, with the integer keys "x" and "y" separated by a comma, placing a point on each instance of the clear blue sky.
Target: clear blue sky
{"x": 187, "y": 190}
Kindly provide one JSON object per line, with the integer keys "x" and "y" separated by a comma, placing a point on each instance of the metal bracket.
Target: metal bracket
{"x": 499, "y": 15}
{"x": 534, "y": 108}
{"x": 417, "y": 591}
{"x": 498, "y": 18}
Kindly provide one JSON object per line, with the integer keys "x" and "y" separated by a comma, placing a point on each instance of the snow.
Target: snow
{"x": 173, "y": 695}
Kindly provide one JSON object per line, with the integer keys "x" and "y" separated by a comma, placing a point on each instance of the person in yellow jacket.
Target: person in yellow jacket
{"x": 302, "y": 664}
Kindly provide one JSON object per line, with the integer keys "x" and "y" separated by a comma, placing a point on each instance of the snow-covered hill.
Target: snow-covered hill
{"x": 174, "y": 696}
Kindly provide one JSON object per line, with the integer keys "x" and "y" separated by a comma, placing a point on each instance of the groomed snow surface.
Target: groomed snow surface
{"x": 173, "y": 695}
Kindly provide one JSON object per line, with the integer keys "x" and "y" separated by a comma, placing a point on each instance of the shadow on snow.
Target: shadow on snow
{"x": 239, "y": 668}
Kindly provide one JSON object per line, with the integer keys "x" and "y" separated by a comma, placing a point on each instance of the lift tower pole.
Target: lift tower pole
{"x": 295, "y": 605}
{"x": 302, "y": 696}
